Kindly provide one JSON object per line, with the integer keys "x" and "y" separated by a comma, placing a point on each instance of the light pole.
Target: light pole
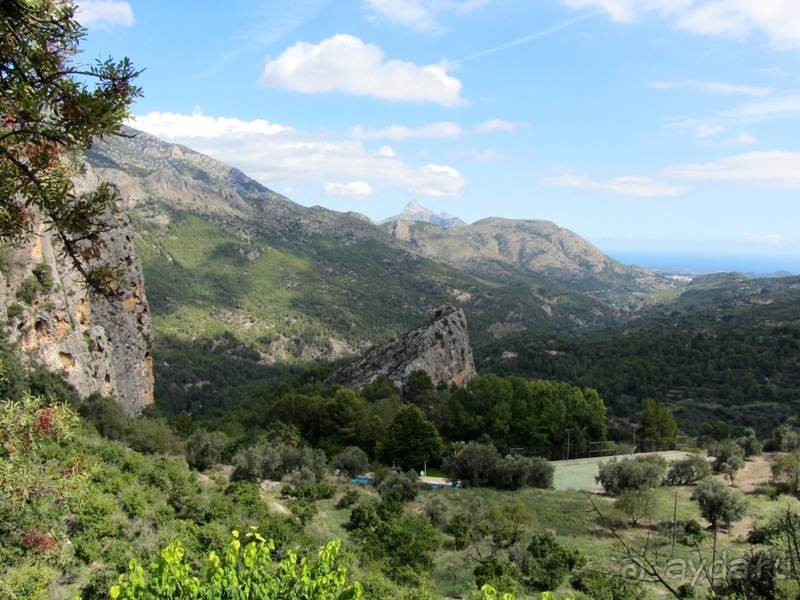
{"x": 568, "y": 432}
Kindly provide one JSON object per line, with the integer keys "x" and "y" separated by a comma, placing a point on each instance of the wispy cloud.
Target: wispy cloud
{"x": 774, "y": 170}
{"x": 779, "y": 20}
{"x": 441, "y": 129}
{"x": 626, "y": 185}
{"x": 104, "y": 13}
{"x": 719, "y": 87}
{"x": 770, "y": 238}
{"x": 421, "y": 14}
{"x": 786, "y": 106}
{"x": 760, "y": 169}
{"x": 344, "y": 63}
{"x": 529, "y": 38}
{"x": 279, "y": 155}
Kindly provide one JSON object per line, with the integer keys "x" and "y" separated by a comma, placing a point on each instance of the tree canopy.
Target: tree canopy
{"x": 52, "y": 114}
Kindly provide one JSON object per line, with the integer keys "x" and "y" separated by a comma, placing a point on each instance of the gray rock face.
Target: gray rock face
{"x": 101, "y": 345}
{"x": 440, "y": 348}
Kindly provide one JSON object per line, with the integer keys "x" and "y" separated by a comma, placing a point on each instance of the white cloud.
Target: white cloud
{"x": 762, "y": 169}
{"x": 771, "y": 238}
{"x": 279, "y": 155}
{"x": 357, "y": 189}
{"x": 788, "y": 106}
{"x": 171, "y": 126}
{"x": 742, "y": 138}
{"x": 430, "y": 184}
{"x": 104, "y": 13}
{"x": 707, "y": 131}
{"x": 720, "y": 87}
{"x": 345, "y": 63}
{"x": 421, "y": 14}
{"x": 496, "y": 125}
{"x": 628, "y": 185}
{"x": 779, "y": 20}
{"x": 732, "y": 88}
{"x": 441, "y": 129}
{"x": 487, "y": 155}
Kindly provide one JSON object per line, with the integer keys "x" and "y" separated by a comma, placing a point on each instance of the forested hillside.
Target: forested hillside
{"x": 726, "y": 350}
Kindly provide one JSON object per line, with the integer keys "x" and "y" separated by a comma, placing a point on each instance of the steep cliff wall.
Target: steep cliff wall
{"x": 440, "y": 348}
{"x": 100, "y": 344}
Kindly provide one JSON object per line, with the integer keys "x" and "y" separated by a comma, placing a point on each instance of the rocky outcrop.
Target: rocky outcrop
{"x": 440, "y": 348}
{"x": 100, "y": 344}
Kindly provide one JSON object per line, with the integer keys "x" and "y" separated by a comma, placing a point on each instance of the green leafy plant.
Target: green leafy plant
{"x": 244, "y": 571}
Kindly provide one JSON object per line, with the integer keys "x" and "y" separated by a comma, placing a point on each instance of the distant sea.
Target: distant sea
{"x": 686, "y": 262}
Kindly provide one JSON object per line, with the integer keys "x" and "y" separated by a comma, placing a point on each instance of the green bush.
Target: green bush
{"x": 204, "y": 448}
{"x": 152, "y": 436}
{"x": 546, "y": 562}
{"x": 14, "y": 310}
{"x": 106, "y": 414}
{"x": 29, "y": 290}
{"x": 599, "y": 586}
{"x": 348, "y": 499}
{"x": 473, "y": 465}
{"x": 630, "y": 474}
{"x": 403, "y": 486}
{"x": 350, "y": 462}
{"x": 687, "y": 470}
{"x": 479, "y": 464}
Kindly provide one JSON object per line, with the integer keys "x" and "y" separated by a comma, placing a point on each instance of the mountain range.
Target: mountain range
{"x": 237, "y": 267}
{"x": 211, "y": 238}
{"x": 244, "y": 285}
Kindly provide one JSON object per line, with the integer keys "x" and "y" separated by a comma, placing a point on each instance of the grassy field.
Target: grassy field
{"x": 569, "y": 514}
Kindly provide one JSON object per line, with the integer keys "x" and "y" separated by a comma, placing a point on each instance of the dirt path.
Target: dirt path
{"x": 757, "y": 471}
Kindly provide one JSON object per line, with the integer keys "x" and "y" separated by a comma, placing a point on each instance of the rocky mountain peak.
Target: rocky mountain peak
{"x": 414, "y": 211}
{"x": 440, "y": 347}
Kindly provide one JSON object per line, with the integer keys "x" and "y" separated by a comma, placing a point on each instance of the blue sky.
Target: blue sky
{"x": 647, "y": 125}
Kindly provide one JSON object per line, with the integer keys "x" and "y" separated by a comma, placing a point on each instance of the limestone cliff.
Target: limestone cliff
{"x": 440, "y": 348}
{"x": 101, "y": 345}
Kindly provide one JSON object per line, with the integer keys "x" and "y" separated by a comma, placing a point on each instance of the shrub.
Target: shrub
{"x": 152, "y": 436}
{"x": 600, "y": 586}
{"x": 728, "y": 458}
{"x": 459, "y": 528}
{"x": 503, "y": 575}
{"x": 348, "y": 499}
{"x": 204, "y": 448}
{"x": 547, "y": 562}
{"x": 474, "y": 465}
{"x": 403, "y": 486}
{"x": 719, "y": 503}
{"x": 630, "y": 474}
{"x": 687, "y": 470}
{"x": 14, "y": 310}
{"x": 350, "y": 462}
{"x": 636, "y": 504}
{"x": 106, "y": 414}
{"x": 436, "y": 509}
{"x": 514, "y": 472}
{"x": 29, "y": 289}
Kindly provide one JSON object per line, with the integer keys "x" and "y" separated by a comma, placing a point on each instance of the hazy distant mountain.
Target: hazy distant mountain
{"x": 500, "y": 247}
{"x": 414, "y": 211}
